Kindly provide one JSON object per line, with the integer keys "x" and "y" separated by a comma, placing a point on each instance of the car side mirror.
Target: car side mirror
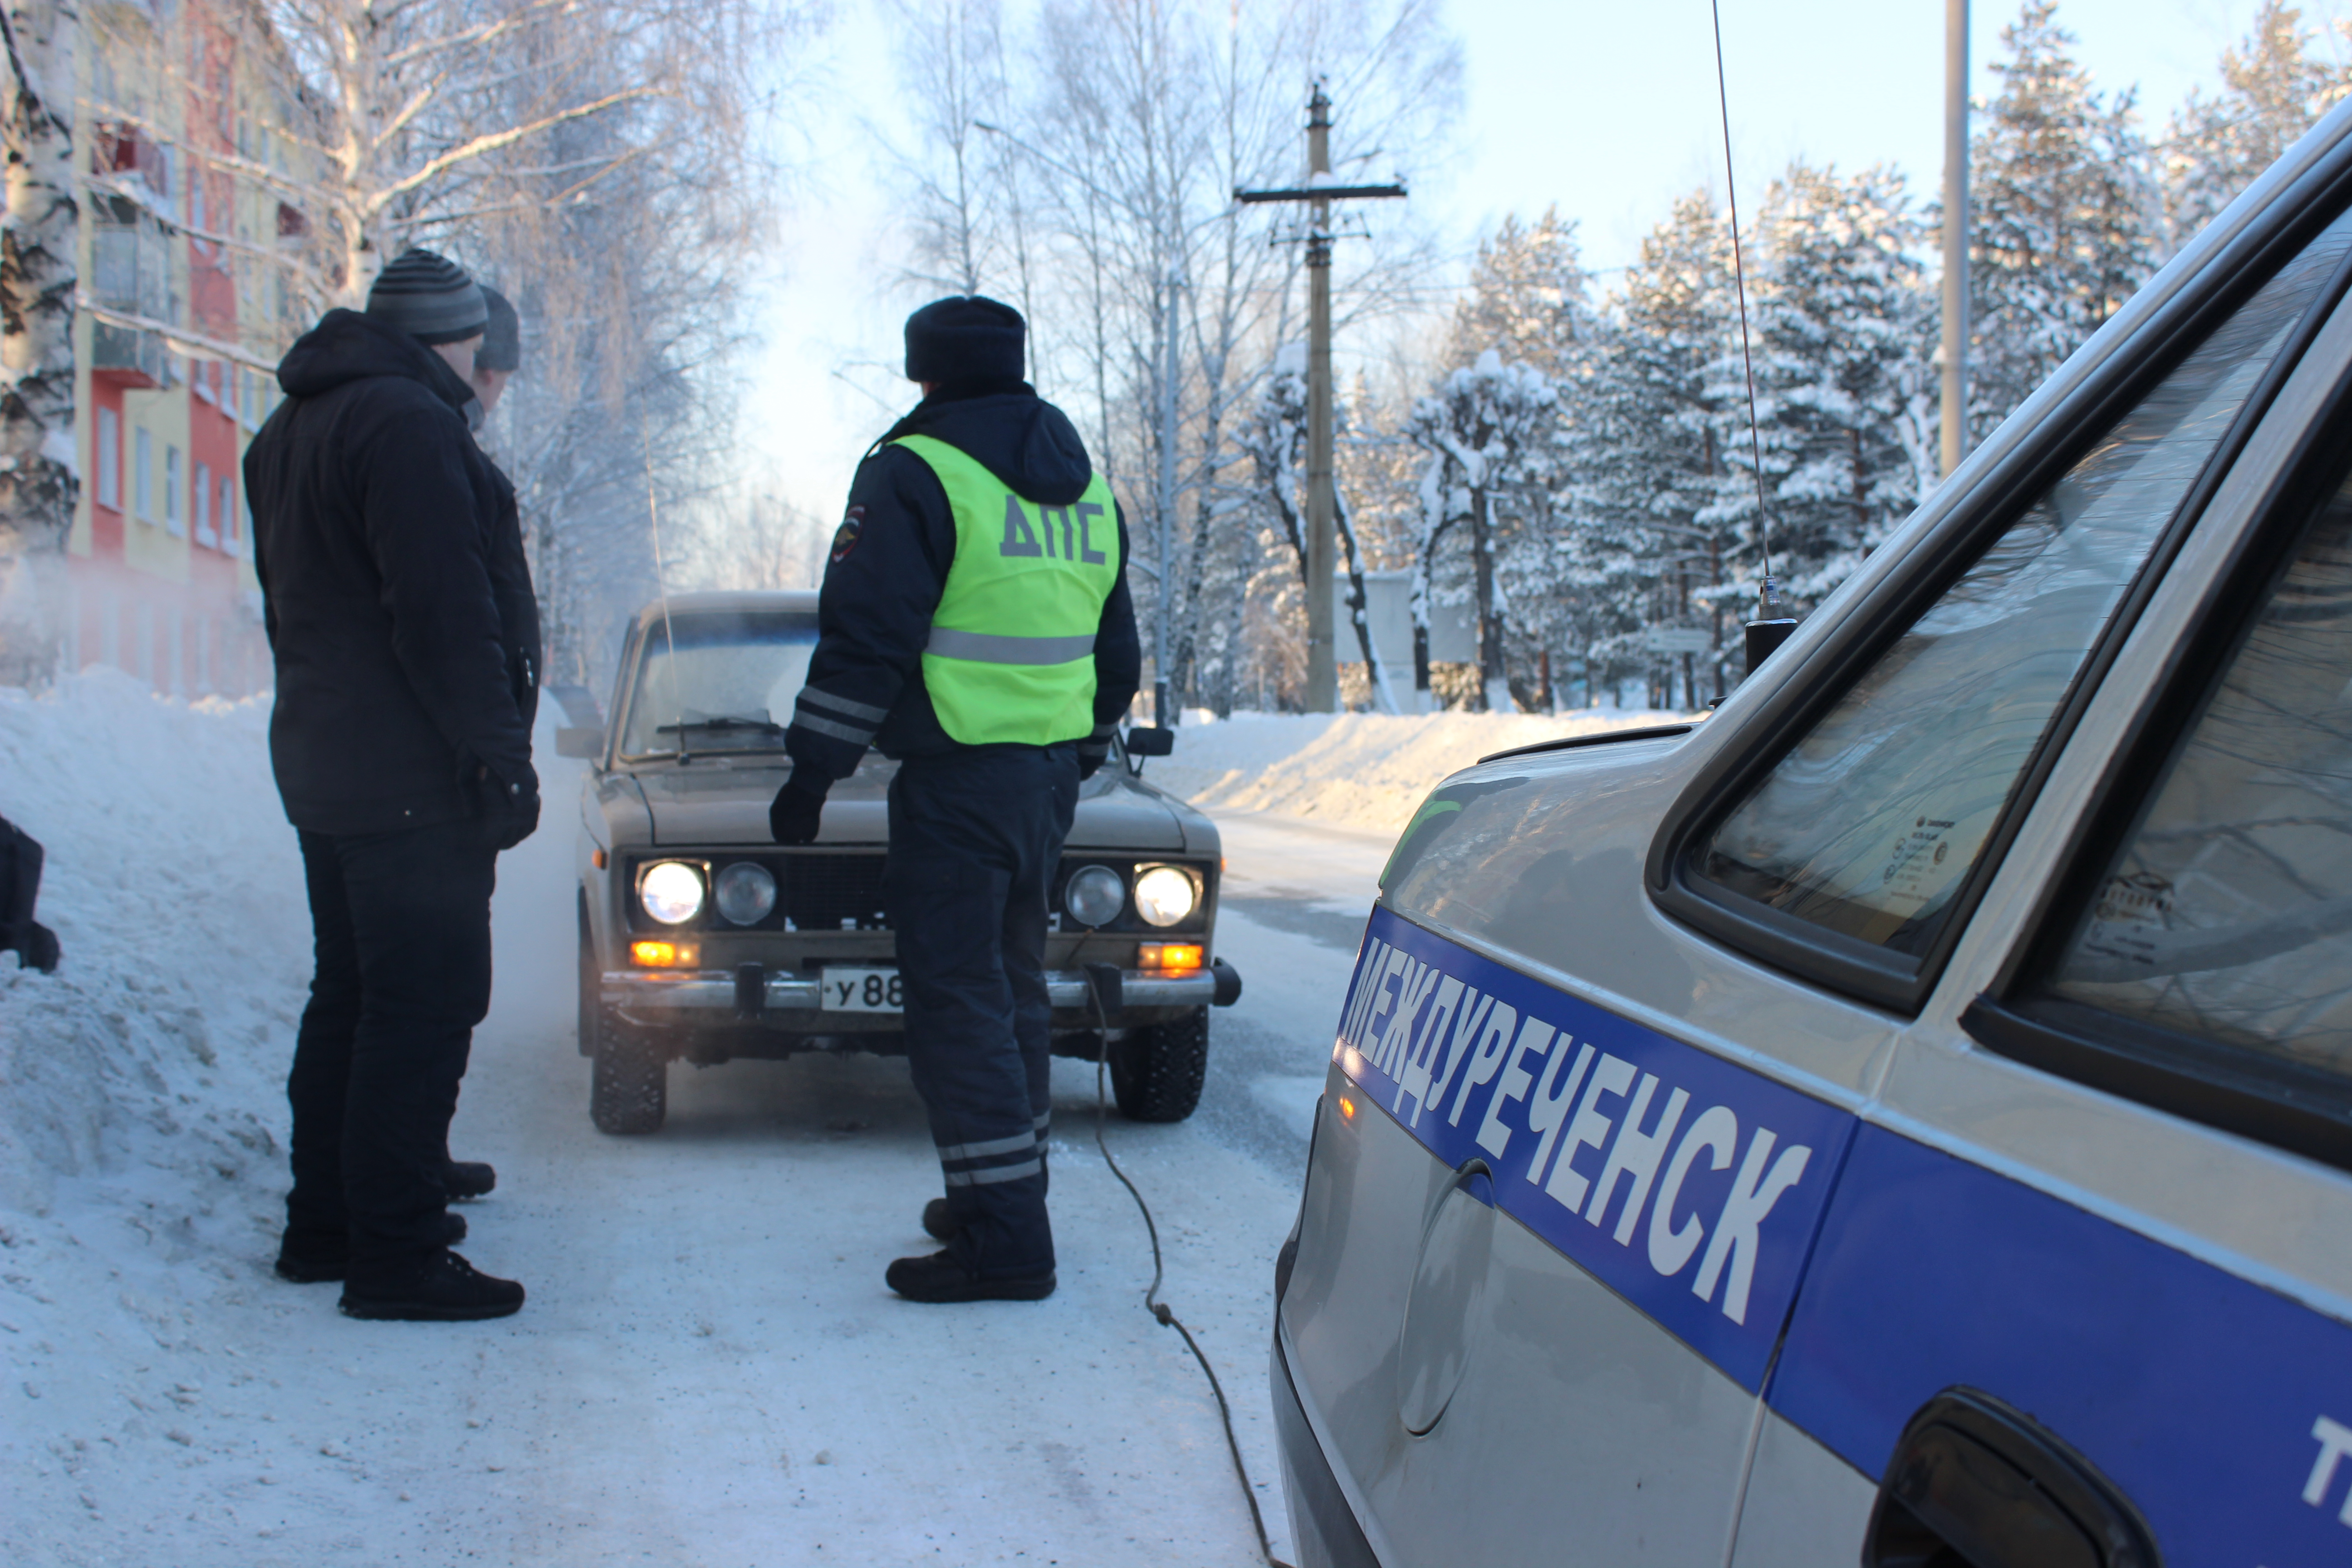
{"x": 1150, "y": 741}
{"x": 579, "y": 740}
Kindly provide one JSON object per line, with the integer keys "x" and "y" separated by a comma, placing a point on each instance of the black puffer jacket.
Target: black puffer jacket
{"x": 889, "y": 566}
{"x": 376, "y": 537}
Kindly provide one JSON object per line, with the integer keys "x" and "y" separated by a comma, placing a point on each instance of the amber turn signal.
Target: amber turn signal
{"x": 664, "y": 954}
{"x": 599, "y": 859}
{"x": 1170, "y": 955}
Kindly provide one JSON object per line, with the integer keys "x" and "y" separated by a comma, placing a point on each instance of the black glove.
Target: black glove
{"x": 1093, "y": 752}
{"x": 794, "y": 815}
{"x": 506, "y": 799}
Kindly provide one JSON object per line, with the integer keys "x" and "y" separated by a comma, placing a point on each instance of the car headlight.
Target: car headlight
{"x": 1164, "y": 895}
{"x": 1094, "y": 895}
{"x": 671, "y": 892}
{"x": 746, "y": 893}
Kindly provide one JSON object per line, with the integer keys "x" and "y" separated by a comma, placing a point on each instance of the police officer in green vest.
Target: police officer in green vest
{"x": 975, "y": 625}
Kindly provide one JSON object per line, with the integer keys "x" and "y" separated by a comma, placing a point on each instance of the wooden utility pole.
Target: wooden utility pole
{"x": 1318, "y": 193}
{"x": 1322, "y": 662}
{"x": 1956, "y": 233}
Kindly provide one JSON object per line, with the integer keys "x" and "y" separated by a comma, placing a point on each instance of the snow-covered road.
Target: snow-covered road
{"x": 709, "y": 1370}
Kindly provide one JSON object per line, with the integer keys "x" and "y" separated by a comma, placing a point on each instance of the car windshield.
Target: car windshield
{"x": 718, "y": 682}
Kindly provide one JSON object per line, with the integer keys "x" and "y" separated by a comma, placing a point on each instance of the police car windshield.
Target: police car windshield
{"x": 715, "y": 681}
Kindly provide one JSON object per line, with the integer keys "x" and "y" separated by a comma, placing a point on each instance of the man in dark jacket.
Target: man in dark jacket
{"x": 975, "y": 624}
{"x": 403, "y": 761}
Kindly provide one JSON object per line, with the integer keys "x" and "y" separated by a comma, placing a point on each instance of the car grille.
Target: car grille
{"x": 831, "y": 892}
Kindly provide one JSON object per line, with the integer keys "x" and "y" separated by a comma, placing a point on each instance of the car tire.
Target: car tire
{"x": 1157, "y": 1071}
{"x": 628, "y": 1091}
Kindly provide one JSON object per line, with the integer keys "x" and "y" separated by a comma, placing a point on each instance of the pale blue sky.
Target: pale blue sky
{"x": 1605, "y": 108}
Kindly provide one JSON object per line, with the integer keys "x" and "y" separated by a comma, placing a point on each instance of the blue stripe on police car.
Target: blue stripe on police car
{"x": 1691, "y": 1186}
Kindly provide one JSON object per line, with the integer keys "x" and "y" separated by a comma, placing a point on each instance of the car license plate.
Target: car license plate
{"x": 861, "y": 990}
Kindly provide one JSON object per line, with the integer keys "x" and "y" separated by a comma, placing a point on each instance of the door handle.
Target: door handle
{"x": 1976, "y": 1483}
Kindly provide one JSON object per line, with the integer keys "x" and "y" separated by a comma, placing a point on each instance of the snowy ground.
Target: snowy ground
{"x": 1355, "y": 770}
{"x": 709, "y": 1370}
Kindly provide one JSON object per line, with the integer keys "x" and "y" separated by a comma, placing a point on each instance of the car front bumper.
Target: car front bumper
{"x": 658, "y": 998}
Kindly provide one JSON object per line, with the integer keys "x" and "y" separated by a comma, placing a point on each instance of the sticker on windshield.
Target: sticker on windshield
{"x": 1691, "y": 1186}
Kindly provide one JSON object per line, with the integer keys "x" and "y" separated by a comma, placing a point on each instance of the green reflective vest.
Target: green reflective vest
{"x": 1012, "y": 650}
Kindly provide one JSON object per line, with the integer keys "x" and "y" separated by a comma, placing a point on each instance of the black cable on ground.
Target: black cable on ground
{"x": 1159, "y": 1309}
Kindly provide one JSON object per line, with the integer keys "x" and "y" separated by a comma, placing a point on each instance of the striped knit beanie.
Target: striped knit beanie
{"x": 429, "y": 297}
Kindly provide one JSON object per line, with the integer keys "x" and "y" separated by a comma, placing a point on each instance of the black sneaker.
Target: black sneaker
{"x": 938, "y": 1223}
{"x": 465, "y": 1179}
{"x": 940, "y": 1277}
{"x": 445, "y": 1290}
{"x": 310, "y": 1259}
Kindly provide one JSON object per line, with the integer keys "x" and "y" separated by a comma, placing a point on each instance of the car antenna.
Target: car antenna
{"x": 1766, "y": 631}
{"x": 661, "y": 577}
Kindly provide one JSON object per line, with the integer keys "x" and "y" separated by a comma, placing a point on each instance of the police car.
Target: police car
{"x": 1908, "y": 1116}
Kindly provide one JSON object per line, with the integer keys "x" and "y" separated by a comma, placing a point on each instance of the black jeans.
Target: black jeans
{"x": 974, "y": 840}
{"x": 402, "y": 923}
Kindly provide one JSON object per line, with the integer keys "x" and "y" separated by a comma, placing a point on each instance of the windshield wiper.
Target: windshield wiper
{"x": 724, "y": 722}
{"x": 721, "y": 721}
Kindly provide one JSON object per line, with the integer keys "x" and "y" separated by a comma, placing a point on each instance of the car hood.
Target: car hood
{"x": 724, "y": 800}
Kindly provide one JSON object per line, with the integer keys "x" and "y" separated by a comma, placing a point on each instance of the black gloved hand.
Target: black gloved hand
{"x": 507, "y": 800}
{"x": 1093, "y": 752}
{"x": 794, "y": 815}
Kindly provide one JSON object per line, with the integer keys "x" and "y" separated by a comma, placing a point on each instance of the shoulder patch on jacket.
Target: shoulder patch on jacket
{"x": 844, "y": 538}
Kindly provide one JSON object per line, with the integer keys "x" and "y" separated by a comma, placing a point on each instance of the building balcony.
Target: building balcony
{"x": 126, "y": 355}
{"x": 131, "y": 273}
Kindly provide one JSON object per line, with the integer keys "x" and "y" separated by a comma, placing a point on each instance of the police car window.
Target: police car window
{"x": 1869, "y": 826}
{"x": 2228, "y": 913}
{"x": 725, "y": 684}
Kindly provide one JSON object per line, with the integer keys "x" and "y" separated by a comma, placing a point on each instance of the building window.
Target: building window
{"x": 108, "y": 459}
{"x": 173, "y": 522}
{"x": 204, "y": 534}
{"x": 226, "y": 513}
{"x": 142, "y": 475}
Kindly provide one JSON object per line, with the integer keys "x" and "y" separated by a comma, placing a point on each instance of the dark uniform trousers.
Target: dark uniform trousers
{"x": 975, "y": 837}
{"x": 403, "y": 930}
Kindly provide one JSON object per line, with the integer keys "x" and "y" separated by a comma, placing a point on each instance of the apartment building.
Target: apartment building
{"x": 193, "y": 148}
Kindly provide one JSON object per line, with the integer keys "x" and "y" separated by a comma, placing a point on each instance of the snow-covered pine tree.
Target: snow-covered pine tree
{"x": 2064, "y": 214}
{"x": 1646, "y": 459}
{"x": 1842, "y": 327}
{"x": 1530, "y": 300}
{"x": 2273, "y": 91}
{"x": 1493, "y": 436}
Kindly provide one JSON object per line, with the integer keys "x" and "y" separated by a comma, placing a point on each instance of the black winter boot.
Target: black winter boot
{"x": 940, "y": 1277}
{"x": 446, "y": 1290}
{"x": 309, "y": 1258}
{"x": 938, "y": 1223}
{"x": 465, "y": 1179}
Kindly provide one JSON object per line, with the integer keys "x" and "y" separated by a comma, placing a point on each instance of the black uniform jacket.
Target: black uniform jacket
{"x": 394, "y": 605}
{"x": 889, "y": 565}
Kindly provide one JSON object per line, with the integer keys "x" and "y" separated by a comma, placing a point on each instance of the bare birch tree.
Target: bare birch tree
{"x": 37, "y": 361}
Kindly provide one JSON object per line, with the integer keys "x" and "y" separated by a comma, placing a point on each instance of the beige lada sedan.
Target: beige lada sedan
{"x": 701, "y": 938}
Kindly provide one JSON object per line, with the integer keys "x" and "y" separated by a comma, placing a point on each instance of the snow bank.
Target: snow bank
{"x": 175, "y": 889}
{"x": 1356, "y": 770}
